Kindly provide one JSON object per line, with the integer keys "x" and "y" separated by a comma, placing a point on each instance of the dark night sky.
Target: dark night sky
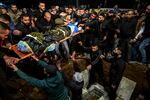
{"x": 110, "y": 3}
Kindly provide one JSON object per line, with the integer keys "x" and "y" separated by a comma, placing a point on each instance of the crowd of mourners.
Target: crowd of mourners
{"x": 116, "y": 36}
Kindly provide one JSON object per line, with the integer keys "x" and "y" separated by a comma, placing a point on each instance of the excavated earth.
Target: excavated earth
{"x": 21, "y": 90}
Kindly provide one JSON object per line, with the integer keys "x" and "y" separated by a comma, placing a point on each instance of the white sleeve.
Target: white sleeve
{"x": 140, "y": 32}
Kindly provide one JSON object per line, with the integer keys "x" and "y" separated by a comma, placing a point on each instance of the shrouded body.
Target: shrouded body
{"x": 38, "y": 42}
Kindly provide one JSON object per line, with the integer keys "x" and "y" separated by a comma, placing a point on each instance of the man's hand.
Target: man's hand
{"x": 58, "y": 64}
{"x": 10, "y": 60}
{"x": 32, "y": 23}
{"x": 87, "y": 28}
{"x": 72, "y": 58}
{"x": 104, "y": 38}
{"x": 89, "y": 67}
{"x": 80, "y": 43}
{"x": 139, "y": 37}
{"x": 113, "y": 86}
{"x": 81, "y": 31}
{"x": 17, "y": 32}
{"x": 7, "y": 45}
{"x": 14, "y": 67}
{"x": 102, "y": 56}
{"x": 81, "y": 25}
{"x": 132, "y": 41}
{"x": 35, "y": 58}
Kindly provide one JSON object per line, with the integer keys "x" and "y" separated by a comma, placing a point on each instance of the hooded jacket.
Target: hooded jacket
{"x": 54, "y": 86}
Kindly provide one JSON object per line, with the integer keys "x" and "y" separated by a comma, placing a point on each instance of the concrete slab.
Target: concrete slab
{"x": 125, "y": 89}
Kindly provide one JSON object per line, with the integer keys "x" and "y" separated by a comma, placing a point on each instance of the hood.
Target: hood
{"x": 56, "y": 80}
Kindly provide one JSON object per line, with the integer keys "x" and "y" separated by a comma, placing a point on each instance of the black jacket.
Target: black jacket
{"x": 43, "y": 25}
{"x": 24, "y": 29}
{"x": 38, "y": 14}
{"x": 146, "y": 33}
{"x": 76, "y": 89}
{"x": 127, "y": 28}
{"x": 116, "y": 70}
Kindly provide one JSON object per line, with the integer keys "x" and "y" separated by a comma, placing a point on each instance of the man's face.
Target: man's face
{"x": 4, "y": 11}
{"x": 81, "y": 12}
{"x": 110, "y": 14}
{"x": 70, "y": 11}
{"x": 93, "y": 16}
{"x": 42, "y": 6}
{"x": 130, "y": 14}
{"x": 57, "y": 7}
{"x": 148, "y": 9}
{"x": 117, "y": 51}
{"x": 47, "y": 17}
{"x": 101, "y": 18}
{"x": 14, "y": 8}
{"x": 68, "y": 18}
{"x": 53, "y": 12}
{"x": 4, "y": 21}
{"x": 26, "y": 20}
{"x": 94, "y": 48}
{"x": 4, "y": 34}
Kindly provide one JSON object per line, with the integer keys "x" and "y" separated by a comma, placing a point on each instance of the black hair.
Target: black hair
{"x": 102, "y": 14}
{"x": 4, "y": 26}
{"x": 41, "y": 1}
{"x": 51, "y": 70}
{"x": 13, "y": 3}
{"x": 95, "y": 13}
{"x": 120, "y": 49}
{"x": 95, "y": 43}
{"x": 5, "y": 17}
{"x": 24, "y": 15}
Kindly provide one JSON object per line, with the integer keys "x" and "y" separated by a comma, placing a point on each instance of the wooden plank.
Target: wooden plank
{"x": 22, "y": 55}
{"x": 66, "y": 38}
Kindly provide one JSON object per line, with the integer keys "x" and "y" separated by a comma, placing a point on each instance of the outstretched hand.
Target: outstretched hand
{"x": 14, "y": 67}
{"x": 10, "y": 60}
{"x": 102, "y": 56}
{"x": 89, "y": 67}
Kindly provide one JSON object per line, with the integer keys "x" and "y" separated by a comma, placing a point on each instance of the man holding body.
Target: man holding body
{"x": 53, "y": 83}
{"x": 5, "y": 60}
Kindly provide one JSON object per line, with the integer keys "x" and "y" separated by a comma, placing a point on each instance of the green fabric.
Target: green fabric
{"x": 54, "y": 86}
{"x": 42, "y": 63}
{"x": 59, "y": 32}
{"x": 40, "y": 36}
